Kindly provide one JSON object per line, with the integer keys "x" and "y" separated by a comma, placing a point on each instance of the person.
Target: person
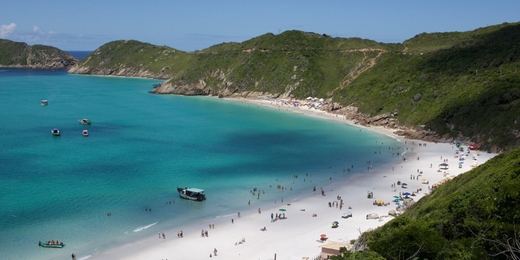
{"x": 215, "y": 252}
{"x": 73, "y": 256}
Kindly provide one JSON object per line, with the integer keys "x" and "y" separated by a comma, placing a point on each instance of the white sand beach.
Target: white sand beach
{"x": 298, "y": 235}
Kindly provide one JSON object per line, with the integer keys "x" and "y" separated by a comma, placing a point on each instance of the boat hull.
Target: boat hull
{"x": 189, "y": 194}
{"x": 52, "y": 245}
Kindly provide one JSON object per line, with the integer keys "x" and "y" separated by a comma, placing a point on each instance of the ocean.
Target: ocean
{"x": 140, "y": 148}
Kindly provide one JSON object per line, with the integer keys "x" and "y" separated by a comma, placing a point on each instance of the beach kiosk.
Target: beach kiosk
{"x": 331, "y": 248}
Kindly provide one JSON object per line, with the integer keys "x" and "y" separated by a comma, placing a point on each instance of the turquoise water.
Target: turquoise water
{"x": 141, "y": 147}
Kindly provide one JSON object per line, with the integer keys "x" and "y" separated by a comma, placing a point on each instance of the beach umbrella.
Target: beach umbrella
{"x": 335, "y": 223}
{"x": 282, "y": 210}
{"x": 323, "y": 235}
{"x": 397, "y": 197}
{"x": 407, "y": 193}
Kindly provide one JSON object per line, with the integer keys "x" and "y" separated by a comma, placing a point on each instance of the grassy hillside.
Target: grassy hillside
{"x": 296, "y": 63}
{"x": 471, "y": 88}
{"x": 462, "y": 85}
{"x": 133, "y": 58}
{"x": 19, "y": 54}
{"x": 474, "y": 216}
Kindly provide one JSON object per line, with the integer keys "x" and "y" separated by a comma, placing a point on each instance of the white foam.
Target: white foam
{"x": 145, "y": 227}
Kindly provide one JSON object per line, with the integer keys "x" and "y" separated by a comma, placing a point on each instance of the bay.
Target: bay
{"x": 141, "y": 147}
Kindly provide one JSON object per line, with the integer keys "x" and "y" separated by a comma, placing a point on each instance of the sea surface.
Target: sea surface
{"x": 141, "y": 147}
{"x": 79, "y": 54}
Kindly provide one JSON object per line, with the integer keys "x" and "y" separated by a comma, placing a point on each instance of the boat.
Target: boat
{"x": 55, "y": 132}
{"x": 85, "y": 133}
{"x": 45, "y": 102}
{"x": 85, "y": 121}
{"x": 192, "y": 194}
{"x": 51, "y": 244}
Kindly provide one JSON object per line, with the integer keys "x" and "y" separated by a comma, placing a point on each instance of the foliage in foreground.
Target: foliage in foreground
{"x": 474, "y": 216}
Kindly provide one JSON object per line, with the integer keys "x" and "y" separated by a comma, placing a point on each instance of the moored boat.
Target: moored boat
{"x": 51, "y": 244}
{"x": 45, "y": 102}
{"x": 84, "y": 133}
{"x": 85, "y": 121}
{"x": 192, "y": 194}
{"x": 55, "y": 132}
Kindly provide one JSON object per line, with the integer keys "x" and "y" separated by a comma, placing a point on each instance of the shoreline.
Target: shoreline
{"x": 298, "y": 235}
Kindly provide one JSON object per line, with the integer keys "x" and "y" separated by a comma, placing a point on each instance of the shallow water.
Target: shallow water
{"x": 141, "y": 147}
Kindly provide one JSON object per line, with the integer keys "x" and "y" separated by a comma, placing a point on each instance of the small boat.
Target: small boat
{"x": 55, "y": 132}
{"x": 192, "y": 194}
{"x": 51, "y": 244}
{"x": 85, "y": 121}
{"x": 45, "y": 102}
{"x": 85, "y": 133}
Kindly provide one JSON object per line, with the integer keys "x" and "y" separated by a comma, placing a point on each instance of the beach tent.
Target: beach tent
{"x": 443, "y": 166}
{"x": 347, "y": 214}
{"x": 372, "y": 216}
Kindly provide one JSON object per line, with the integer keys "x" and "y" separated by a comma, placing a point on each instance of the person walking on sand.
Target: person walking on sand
{"x": 215, "y": 252}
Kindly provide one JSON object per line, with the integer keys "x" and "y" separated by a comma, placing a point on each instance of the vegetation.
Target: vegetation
{"x": 18, "y": 54}
{"x": 457, "y": 84}
{"x": 137, "y": 56}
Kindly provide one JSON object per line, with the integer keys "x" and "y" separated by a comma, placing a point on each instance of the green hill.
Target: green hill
{"x": 460, "y": 85}
{"x": 474, "y": 216}
{"x": 21, "y": 55}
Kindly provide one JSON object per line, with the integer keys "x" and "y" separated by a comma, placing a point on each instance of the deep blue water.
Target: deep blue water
{"x": 141, "y": 147}
{"x": 79, "y": 54}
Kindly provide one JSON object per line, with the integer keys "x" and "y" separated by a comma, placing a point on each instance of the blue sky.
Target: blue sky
{"x": 190, "y": 25}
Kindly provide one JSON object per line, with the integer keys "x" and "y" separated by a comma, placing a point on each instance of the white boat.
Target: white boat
{"x": 85, "y": 121}
{"x": 55, "y": 132}
{"x": 85, "y": 133}
{"x": 192, "y": 194}
{"x": 45, "y": 102}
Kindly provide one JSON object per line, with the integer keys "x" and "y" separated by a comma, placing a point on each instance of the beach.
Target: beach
{"x": 301, "y": 222}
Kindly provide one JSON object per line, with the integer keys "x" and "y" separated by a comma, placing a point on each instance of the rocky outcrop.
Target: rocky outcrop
{"x": 186, "y": 90}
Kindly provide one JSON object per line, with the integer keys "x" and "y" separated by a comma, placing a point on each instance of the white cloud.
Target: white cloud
{"x": 5, "y": 30}
{"x": 36, "y": 28}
